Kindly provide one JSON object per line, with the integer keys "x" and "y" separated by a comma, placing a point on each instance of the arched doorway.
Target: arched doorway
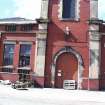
{"x": 66, "y": 69}
{"x": 65, "y": 56}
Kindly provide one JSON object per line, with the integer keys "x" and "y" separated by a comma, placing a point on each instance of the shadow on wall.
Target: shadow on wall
{"x": 37, "y": 85}
{"x": 56, "y": 34}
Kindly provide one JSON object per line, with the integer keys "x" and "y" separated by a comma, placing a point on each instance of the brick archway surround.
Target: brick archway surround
{"x": 80, "y": 64}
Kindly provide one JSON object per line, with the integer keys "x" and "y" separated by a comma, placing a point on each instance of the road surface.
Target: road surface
{"x": 37, "y": 96}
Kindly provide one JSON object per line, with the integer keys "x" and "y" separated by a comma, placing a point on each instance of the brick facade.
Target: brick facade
{"x": 63, "y": 47}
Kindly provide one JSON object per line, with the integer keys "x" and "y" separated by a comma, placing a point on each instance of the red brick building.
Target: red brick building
{"x": 17, "y": 47}
{"x": 22, "y": 50}
{"x": 73, "y": 43}
{"x": 66, "y": 43}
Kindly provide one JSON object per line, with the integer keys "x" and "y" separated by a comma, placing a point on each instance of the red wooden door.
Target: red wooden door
{"x": 66, "y": 69}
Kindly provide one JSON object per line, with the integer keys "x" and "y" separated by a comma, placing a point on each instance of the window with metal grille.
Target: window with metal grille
{"x": 24, "y": 74}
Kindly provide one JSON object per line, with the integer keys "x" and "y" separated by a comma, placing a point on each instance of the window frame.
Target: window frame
{"x": 24, "y": 65}
{"x": 77, "y": 11}
{"x": 67, "y": 9}
{"x": 4, "y": 54}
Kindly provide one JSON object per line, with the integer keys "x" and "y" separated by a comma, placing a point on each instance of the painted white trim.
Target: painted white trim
{"x": 40, "y": 59}
{"x": 44, "y": 9}
{"x": 94, "y": 59}
{"x": 35, "y": 58}
{"x": 9, "y": 42}
{"x": 93, "y": 8}
{"x": 77, "y": 13}
{"x": 60, "y": 9}
{"x": 18, "y": 22}
{"x": 94, "y": 43}
{"x": 25, "y": 42}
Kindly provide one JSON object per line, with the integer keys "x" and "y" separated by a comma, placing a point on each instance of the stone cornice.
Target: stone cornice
{"x": 41, "y": 20}
{"x": 94, "y": 35}
{"x": 95, "y": 21}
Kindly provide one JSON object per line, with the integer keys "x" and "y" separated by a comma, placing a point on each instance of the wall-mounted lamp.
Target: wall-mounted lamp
{"x": 66, "y": 33}
{"x": 67, "y": 30}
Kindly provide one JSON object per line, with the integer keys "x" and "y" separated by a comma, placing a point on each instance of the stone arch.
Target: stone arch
{"x": 80, "y": 64}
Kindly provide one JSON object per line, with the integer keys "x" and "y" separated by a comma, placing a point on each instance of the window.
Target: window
{"x": 24, "y": 75}
{"x": 27, "y": 27}
{"x": 10, "y": 27}
{"x": 8, "y": 54}
{"x": 68, "y": 9}
{"x": 7, "y": 70}
{"x": 24, "y": 58}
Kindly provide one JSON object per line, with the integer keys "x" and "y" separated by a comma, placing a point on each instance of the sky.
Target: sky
{"x": 101, "y": 9}
{"x": 30, "y": 9}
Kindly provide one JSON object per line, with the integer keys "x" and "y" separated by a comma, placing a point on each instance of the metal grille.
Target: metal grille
{"x": 69, "y": 84}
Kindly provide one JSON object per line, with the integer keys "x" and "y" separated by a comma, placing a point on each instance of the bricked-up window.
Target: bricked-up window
{"x": 27, "y": 27}
{"x": 68, "y": 9}
{"x": 24, "y": 58}
{"x": 8, "y": 54}
{"x": 10, "y": 28}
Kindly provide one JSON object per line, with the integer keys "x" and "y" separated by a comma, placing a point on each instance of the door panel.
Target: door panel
{"x": 66, "y": 69}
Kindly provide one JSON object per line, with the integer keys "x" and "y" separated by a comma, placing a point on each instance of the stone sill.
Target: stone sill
{"x": 70, "y": 19}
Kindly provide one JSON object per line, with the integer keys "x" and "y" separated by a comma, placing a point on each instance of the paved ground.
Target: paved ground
{"x": 35, "y": 96}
